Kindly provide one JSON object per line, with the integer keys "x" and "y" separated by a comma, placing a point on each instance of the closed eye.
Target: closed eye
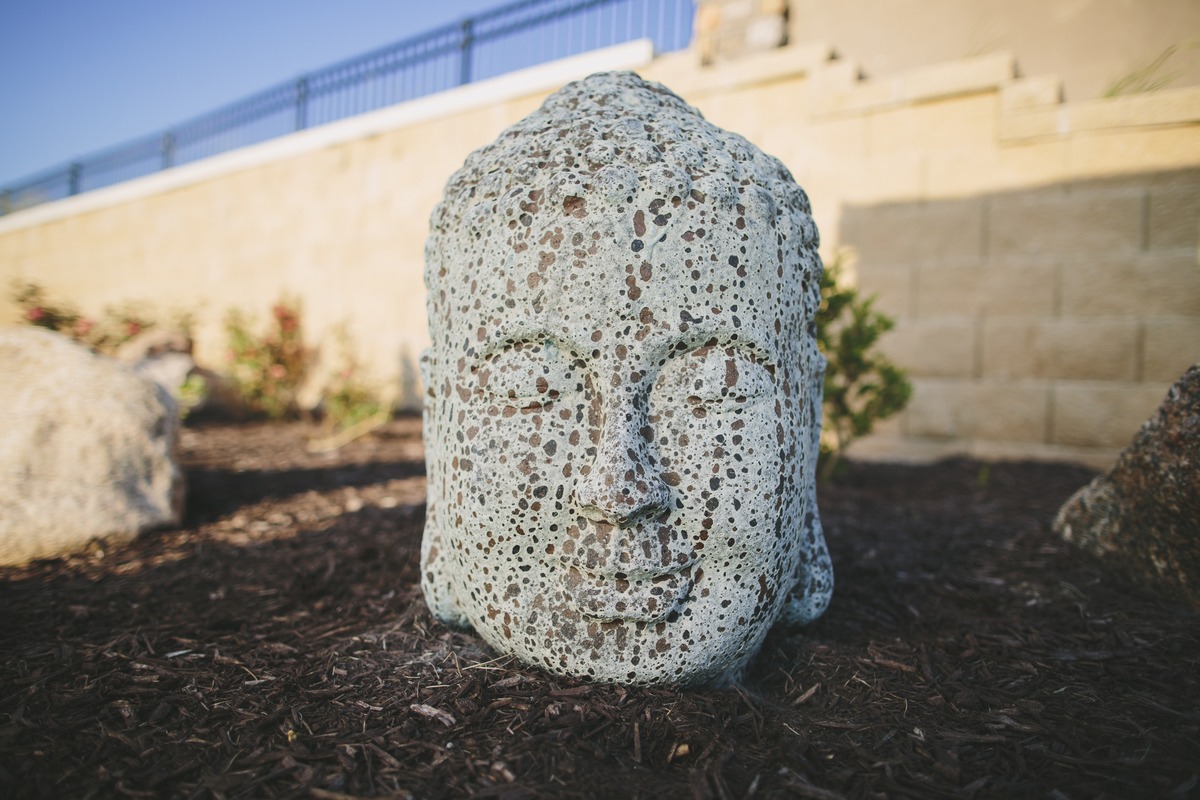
{"x": 719, "y": 379}
{"x": 528, "y": 375}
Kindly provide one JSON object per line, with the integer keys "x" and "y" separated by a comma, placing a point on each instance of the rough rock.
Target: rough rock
{"x": 165, "y": 356}
{"x": 623, "y": 392}
{"x": 86, "y": 448}
{"x": 1144, "y": 514}
{"x": 169, "y": 370}
{"x": 153, "y": 343}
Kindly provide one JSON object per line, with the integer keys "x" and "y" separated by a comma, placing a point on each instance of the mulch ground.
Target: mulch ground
{"x": 277, "y": 645}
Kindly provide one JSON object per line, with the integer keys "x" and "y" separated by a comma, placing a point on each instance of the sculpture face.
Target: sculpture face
{"x": 621, "y": 429}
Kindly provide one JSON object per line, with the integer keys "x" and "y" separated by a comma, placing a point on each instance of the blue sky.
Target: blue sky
{"x": 78, "y": 76}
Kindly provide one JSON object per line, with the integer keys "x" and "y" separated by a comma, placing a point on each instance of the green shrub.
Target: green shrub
{"x": 1155, "y": 75}
{"x": 267, "y": 369}
{"x": 350, "y": 397}
{"x": 861, "y": 385}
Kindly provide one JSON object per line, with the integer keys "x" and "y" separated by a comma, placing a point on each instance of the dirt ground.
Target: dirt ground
{"x": 277, "y": 645}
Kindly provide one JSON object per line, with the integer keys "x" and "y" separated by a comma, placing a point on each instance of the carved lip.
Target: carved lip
{"x": 648, "y": 599}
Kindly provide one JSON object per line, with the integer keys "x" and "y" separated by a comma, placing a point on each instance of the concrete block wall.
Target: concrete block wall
{"x": 1040, "y": 258}
{"x": 1045, "y": 322}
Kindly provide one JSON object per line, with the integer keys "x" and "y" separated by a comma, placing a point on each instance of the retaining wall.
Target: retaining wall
{"x": 1040, "y": 258}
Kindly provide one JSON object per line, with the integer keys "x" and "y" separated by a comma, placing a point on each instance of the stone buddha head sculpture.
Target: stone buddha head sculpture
{"x": 623, "y": 392}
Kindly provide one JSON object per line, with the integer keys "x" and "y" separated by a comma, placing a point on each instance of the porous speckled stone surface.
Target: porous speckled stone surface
{"x": 1144, "y": 514}
{"x": 623, "y": 392}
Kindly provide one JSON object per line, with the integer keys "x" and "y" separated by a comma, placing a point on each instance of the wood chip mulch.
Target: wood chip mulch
{"x": 277, "y": 646}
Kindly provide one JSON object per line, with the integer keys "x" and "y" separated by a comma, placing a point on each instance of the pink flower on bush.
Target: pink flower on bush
{"x": 277, "y": 371}
{"x": 35, "y": 313}
{"x": 133, "y": 328}
{"x": 286, "y": 318}
{"x": 84, "y": 326}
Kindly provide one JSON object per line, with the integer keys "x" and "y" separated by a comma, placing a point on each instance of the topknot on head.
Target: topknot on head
{"x": 614, "y": 92}
{"x": 618, "y": 139}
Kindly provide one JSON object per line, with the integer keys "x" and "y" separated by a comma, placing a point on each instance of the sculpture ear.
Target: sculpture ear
{"x": 435, "y": 580}
{"x": 813, "y": 589}
{"x": 424, "y": 365}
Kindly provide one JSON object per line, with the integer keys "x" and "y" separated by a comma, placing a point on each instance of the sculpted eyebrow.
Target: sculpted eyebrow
{"x": 747, "y": 340}
{"x": 507, "y": 337}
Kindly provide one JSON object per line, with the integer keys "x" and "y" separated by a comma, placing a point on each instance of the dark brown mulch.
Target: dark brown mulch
{"x": 277, "y": 646}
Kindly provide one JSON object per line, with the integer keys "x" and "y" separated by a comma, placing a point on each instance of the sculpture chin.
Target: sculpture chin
{"x": 609, "y": 599}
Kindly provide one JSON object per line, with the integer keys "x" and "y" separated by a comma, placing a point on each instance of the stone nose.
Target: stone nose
{"x": 622, "y": 485}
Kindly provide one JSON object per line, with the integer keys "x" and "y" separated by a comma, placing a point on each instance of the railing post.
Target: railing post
{"x": 74, "y": 172}
{"x": 168, "y": 150}
{"x": 302, "y": 104}
{"x": 465, "y": 43}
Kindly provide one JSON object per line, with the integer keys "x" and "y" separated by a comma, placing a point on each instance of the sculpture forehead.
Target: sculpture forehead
{"x": 586, "y": 285}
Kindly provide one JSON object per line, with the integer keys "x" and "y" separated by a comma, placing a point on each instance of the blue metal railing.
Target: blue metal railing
{"x": 511, "y": 37}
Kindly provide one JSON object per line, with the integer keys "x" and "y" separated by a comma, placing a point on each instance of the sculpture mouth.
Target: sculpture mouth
{"x": 646, "y": 599}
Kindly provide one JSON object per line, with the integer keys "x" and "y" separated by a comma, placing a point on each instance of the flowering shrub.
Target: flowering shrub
{"x": 350, "y": 398}
{"x": 105, "y": 334}
{"x": 37, "y": 310}
{"x": 267, "y": 369}
{"x": 861, "y": 385}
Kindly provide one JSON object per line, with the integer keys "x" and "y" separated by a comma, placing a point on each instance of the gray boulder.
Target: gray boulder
{"x": 169, "y": 370}
{"x": 153, "y": 343}
{"x": 86, "y": 449}
{"x": 1145, "y": 513}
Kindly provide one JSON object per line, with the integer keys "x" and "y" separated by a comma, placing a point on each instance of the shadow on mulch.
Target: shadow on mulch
{"x": 277, "y": 646}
